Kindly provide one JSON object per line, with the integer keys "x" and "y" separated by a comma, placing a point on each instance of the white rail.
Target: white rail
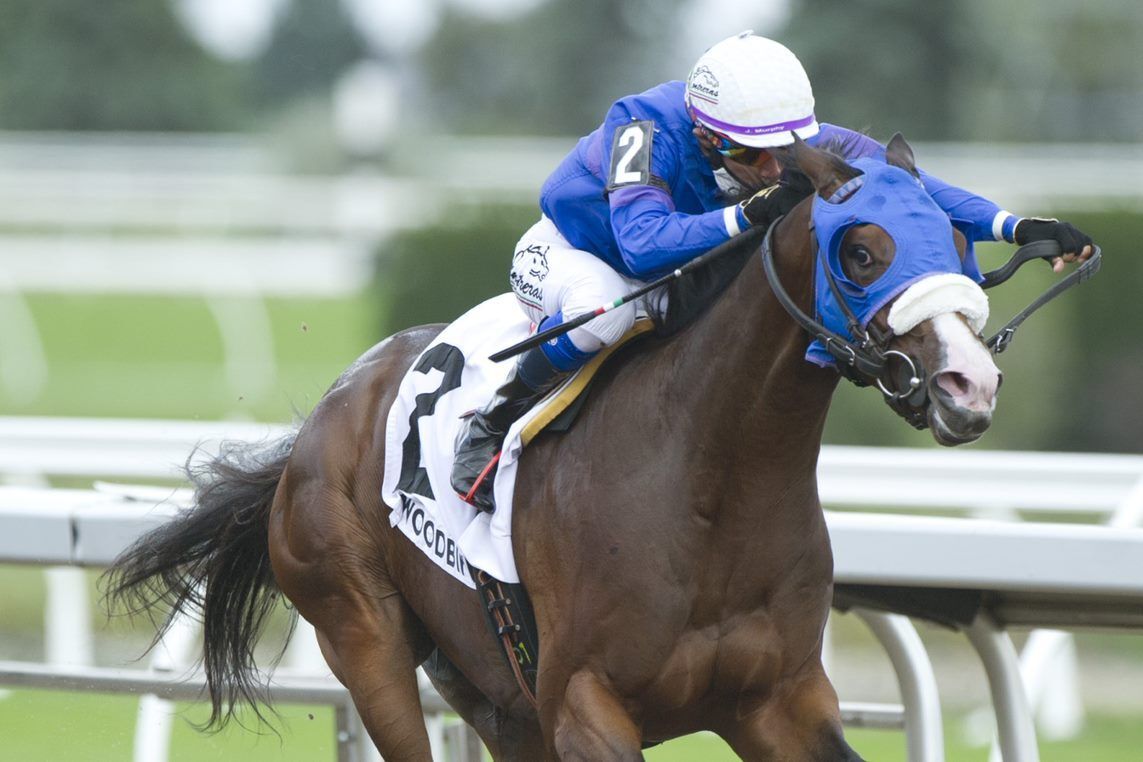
{"x": 203, "y": 266}
{"x": 894, "y": 478}
{"x": 887, "y": 479}
{"x": 196, "y": 182}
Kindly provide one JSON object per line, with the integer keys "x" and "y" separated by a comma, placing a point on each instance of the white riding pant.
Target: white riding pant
{"x": 549, "y": 275}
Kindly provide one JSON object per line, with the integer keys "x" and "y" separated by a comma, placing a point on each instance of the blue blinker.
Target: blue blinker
{"x": 896, "y": 201}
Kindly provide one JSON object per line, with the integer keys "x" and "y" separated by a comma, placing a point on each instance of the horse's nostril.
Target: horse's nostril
{"x": 956, "y": 384}
{"x": 965, "y": 390}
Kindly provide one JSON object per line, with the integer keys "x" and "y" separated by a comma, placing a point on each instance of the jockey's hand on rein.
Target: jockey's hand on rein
{"x": 1074, "y": 243}
{"x": 772, "y": 202}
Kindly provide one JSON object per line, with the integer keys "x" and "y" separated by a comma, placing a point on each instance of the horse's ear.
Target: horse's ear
{"x": 900, "y": 154}
{"x": 826, "y": 171}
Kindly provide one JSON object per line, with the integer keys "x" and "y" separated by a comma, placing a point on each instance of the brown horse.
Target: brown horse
{"x": 673, "y": 541}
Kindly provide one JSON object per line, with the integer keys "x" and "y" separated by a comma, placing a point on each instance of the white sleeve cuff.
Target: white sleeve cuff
{"x": 998, "y": 224}
{"x": 730, "y": 219}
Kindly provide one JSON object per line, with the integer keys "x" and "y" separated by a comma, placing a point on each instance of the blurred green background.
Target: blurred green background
{"x": 208, "y": 209}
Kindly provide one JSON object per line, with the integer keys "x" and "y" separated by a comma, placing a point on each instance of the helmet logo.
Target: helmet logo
{"x": 703, "y": 84}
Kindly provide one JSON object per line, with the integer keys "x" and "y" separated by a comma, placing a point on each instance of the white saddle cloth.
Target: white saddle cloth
{"x": 449, "y": 531}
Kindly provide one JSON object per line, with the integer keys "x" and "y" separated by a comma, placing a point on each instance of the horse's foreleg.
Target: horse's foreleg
{"x": 800, "y": 721}
{"x": 589, "y": 722}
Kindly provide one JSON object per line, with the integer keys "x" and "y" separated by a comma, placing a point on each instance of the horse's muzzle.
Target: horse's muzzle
{"x": 960, "y": 409}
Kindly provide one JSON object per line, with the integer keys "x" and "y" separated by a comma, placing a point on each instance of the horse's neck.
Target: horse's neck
{"x": 746, "y": 359}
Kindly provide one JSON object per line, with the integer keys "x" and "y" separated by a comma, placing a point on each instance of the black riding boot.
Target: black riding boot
{"x": 479, "y": 442}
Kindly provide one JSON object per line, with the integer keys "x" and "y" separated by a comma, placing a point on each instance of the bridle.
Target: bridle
{"x": 866, "y": 360}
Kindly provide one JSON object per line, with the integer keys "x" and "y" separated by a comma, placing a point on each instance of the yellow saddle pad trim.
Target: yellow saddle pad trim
{"x": 567, "y": 394}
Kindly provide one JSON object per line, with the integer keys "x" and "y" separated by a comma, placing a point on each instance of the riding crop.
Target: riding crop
{"x": 559, "y": 330}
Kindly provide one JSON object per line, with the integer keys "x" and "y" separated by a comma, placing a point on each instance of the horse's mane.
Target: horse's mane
{"x": 689, "y": 296}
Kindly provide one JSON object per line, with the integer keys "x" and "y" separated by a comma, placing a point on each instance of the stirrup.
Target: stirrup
{"x": 486, "y": 475}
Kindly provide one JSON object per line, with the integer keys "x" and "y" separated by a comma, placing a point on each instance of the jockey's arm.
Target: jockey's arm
{"x": 985, "y": 221}
{"x": 975, "y": 215}
{"x": 654, "y": 238}
{"x": 643, "y": 162}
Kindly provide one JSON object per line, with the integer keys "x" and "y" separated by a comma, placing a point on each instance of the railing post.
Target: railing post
{"x": 154, "y": 716}
{"x": 463, "y": 743}
{"x": 924, "y": 731}
{"x": 1016, "y": 731}
{"x": 344, "y": 733}
{"x": 67, "y": 617}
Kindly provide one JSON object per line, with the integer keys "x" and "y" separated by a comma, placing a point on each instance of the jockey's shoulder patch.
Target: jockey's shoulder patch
{"x": 631, "y": 156}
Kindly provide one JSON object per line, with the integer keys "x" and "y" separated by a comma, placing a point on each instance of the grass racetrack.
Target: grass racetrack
{"x": 44, "y": 726}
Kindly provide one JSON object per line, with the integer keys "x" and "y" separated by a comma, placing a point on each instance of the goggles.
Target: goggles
{"x": 728, "y": 148}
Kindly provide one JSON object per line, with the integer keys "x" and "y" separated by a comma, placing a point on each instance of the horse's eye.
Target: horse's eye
{"x": 860, "y": 256}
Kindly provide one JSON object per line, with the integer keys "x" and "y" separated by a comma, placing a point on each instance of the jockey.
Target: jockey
{"x": 671, "y": 173}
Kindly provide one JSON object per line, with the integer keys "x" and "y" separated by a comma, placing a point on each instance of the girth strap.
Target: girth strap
{"x": 509, "y": 614}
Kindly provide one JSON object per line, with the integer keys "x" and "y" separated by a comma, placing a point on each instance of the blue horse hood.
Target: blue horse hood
{"x": 896, "y": 201}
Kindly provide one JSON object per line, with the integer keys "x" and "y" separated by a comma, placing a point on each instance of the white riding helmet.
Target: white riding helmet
{"x": 753, "y": 91}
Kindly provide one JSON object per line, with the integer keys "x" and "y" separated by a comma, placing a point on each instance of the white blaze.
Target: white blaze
{"x": 969, "y": 374}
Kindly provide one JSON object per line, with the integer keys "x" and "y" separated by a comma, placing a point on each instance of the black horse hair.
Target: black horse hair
{"x": 213, "y": 559}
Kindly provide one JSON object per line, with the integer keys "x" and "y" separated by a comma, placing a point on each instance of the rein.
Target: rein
{"x": 1046, "y": 250}
{"x": 866, "y": 361}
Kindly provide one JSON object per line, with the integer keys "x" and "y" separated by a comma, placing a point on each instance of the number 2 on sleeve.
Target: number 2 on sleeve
{"x": 631, "y": 155}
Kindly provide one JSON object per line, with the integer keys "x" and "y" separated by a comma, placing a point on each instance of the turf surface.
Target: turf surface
{"x": 43, "y": 726}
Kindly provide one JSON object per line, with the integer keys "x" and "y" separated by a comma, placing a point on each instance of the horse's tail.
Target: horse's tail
{"x": 213, "y": 558}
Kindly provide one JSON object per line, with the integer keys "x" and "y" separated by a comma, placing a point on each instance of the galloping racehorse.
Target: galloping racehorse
{"x": 672, "y": 541}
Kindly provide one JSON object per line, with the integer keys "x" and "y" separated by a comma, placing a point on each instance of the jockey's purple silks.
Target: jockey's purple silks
{"x": 896, "y": 201}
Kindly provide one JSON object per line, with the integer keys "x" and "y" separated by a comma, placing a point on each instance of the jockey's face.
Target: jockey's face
{"x": 756, "y": 169}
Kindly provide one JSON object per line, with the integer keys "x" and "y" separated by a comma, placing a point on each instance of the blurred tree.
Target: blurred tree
{"x": 110, "y": 65}
{"x": 887, "y": 65}
{"x": 1099, "y": 407}
{"x": 1044, "y": 88}
{"x": 942, "y": 70}
{"x": 434, "y": 275}
{"x": 552, "y": 71}
{"x": 313, "y": 42}
{"x": 956, "y": 70}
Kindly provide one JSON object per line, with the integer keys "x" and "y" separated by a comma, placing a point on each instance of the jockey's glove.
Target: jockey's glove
{"x": 1071, "y": 239}
{"x": 779, "y": 199}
